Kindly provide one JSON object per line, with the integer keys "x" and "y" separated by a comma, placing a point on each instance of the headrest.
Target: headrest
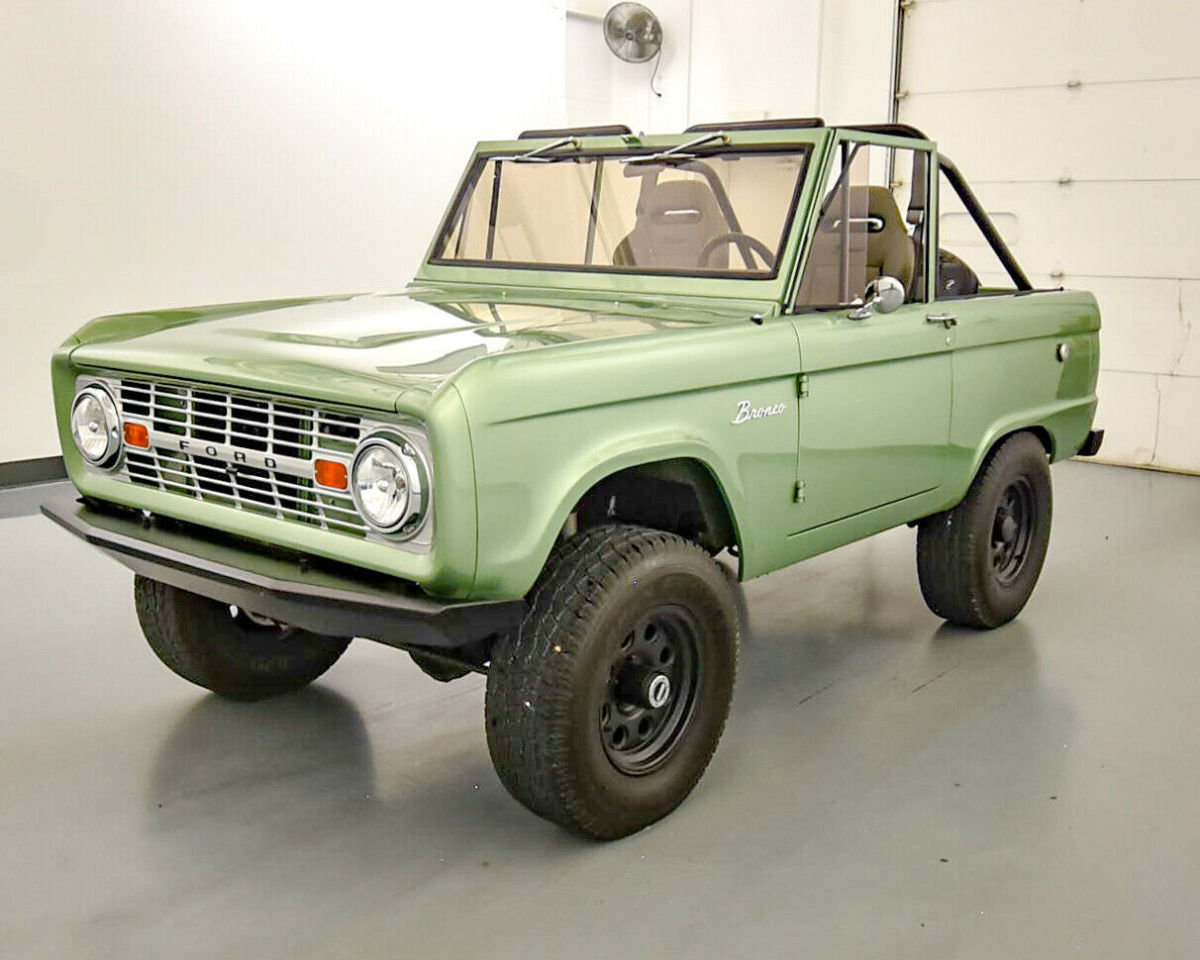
{"x": 676, "y": 202}
{"x": 881, "y": 204}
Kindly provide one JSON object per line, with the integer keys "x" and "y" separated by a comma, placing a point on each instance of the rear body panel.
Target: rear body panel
{"x": 896, "y": 425}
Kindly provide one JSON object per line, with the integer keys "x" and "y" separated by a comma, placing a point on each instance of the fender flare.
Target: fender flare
{"x": 1042, "y": 421}
{"x": 642, "y": 454}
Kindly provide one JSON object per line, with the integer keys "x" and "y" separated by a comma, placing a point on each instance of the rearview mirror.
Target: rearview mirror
{"x": 884, "y": 295}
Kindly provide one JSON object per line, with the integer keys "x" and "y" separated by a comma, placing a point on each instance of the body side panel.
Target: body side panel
{"x": 1007, "y": 375}
{"x": 545, "y": 433}
{"x": 874, "y": 426}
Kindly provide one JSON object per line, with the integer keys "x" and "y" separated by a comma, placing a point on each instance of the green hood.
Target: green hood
{"x": 366, "y": 350}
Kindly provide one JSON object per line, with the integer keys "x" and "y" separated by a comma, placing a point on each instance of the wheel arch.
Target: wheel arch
{"x": 678, "y": 494}
{"x": 986, "y": 449}
{"x": 530, "y": 515}
{"x": 1060, "y": 428}
{"x": 689, "y": 464}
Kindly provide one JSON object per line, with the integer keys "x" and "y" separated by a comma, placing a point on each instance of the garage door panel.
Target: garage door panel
{"x": 1105, "y": 229}
{"x": 1101, "y": 95}
{"x": 1128, "y": 414}
{"x": 962, "y": 45}
{"x": 978, "y": 44}
{"x": 1178, "y": 425}
{"x": 1141, "y": 327}
{"x": 1110, "y": 132}
{"x": 1189, "y": 356}
{"x": 1121, "y": 40}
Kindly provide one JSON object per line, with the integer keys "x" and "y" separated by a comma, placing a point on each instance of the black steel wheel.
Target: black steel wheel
{"x": 232, "y": 652}
{"x": 979, "y": 562}
{"x": 651, "y": 690}
{"x": 1012, "y": 530}
{"x": 605, "y": 706}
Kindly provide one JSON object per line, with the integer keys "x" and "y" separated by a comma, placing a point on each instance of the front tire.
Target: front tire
{"x": 225, "y": 650}
{"x": 604, "y": 708}
{"x": 979, "y": 562}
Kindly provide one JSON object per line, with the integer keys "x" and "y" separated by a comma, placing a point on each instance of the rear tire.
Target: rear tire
{"x": 222, "y": 649}
{"x": 604, "y": 707}
{"x": 979, "y": 562}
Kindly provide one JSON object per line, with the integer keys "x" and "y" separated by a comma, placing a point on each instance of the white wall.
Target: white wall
{"x": 722, "y": 60}
{"x": 755, "y": 59}
{"x": 602, "y": 89}
{"x": 160, "y": 153}
{"x": 856, "y": 60}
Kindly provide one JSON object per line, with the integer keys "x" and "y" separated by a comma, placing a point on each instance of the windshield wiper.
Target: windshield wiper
{"x": 679, "y": 151}
{"x": 538, "y": 154}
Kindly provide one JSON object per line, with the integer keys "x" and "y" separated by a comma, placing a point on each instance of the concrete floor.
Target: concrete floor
{"x": 887, "y": 786}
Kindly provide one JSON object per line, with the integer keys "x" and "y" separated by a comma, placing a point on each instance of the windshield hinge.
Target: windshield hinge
{"x": 802, "y": 385}
{"x": 798, "y": 492}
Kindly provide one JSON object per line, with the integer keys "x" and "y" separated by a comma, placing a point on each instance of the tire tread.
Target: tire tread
{"x": 950, "y": 576}
{"x": 528, "y": 692}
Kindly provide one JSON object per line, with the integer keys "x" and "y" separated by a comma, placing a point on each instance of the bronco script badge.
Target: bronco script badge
{"x": 746, "y": 412}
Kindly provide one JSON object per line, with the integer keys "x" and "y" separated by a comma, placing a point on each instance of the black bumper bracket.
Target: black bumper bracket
{"x": 1091, "y": 446}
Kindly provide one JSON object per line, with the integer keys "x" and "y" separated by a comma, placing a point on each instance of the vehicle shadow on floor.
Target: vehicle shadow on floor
{"x": 827, "y": 661}
{"x": 246, "y": 781}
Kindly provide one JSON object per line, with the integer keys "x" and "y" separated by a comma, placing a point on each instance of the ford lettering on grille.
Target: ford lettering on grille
{"x": 243, "y": 450}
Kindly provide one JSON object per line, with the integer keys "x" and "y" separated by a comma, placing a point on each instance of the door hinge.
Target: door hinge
{"x": 798, "y": 492}
{"x": 802, "y": 385}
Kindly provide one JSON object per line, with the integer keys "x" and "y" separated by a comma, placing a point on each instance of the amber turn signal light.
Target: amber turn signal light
{"x": 137, "y": 435}
{"x": 332, "y": 474}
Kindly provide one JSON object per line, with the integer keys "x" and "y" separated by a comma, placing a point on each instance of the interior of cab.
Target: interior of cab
{"x": 863, "y": 234}
{"x": 676, "y": 220}
{"x": 876, "y": 243}
{"x": 688, "y": 224}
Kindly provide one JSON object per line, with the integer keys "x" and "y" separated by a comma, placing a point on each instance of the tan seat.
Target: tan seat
{"x": 879, "y": 245}
{"x": 675, "y": 219}
{"x": 889, "y": 249}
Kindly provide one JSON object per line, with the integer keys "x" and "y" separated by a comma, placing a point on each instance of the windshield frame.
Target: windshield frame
{"x": 809, "y": 143}
{"x": 480, "y": 162}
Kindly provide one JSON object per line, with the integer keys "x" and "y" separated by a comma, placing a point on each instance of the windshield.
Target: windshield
{"x": 725, "y": 213}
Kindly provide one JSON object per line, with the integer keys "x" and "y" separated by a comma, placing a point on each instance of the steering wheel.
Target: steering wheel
{"x": 742, "y": 240}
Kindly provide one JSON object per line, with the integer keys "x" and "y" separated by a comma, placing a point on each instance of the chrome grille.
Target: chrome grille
{"x": 246, "y": 451}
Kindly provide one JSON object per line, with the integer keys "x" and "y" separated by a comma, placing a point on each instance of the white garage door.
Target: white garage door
{"x": 1082, "y": 121}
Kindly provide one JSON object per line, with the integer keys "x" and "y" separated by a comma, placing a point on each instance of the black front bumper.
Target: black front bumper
{"x": 337, "y": 600}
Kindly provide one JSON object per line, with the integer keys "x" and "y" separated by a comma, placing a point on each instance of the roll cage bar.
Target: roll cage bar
{"x": 967, "y": 196}
{"x": 918, "y": 200}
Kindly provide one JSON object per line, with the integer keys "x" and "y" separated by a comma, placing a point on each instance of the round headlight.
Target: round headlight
{"x": 388, "y": 484}
{"x": 95, "y": 425}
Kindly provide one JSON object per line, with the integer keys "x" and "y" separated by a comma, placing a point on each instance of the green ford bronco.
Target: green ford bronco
{"x": 623, "y": 358}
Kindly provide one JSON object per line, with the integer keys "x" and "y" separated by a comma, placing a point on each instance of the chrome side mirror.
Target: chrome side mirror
{"x": 883, "y": 295}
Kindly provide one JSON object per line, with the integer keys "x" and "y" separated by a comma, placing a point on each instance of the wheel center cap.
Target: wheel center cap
{"x": 658, "y": 691}
{"x": 1008, "y": 529}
